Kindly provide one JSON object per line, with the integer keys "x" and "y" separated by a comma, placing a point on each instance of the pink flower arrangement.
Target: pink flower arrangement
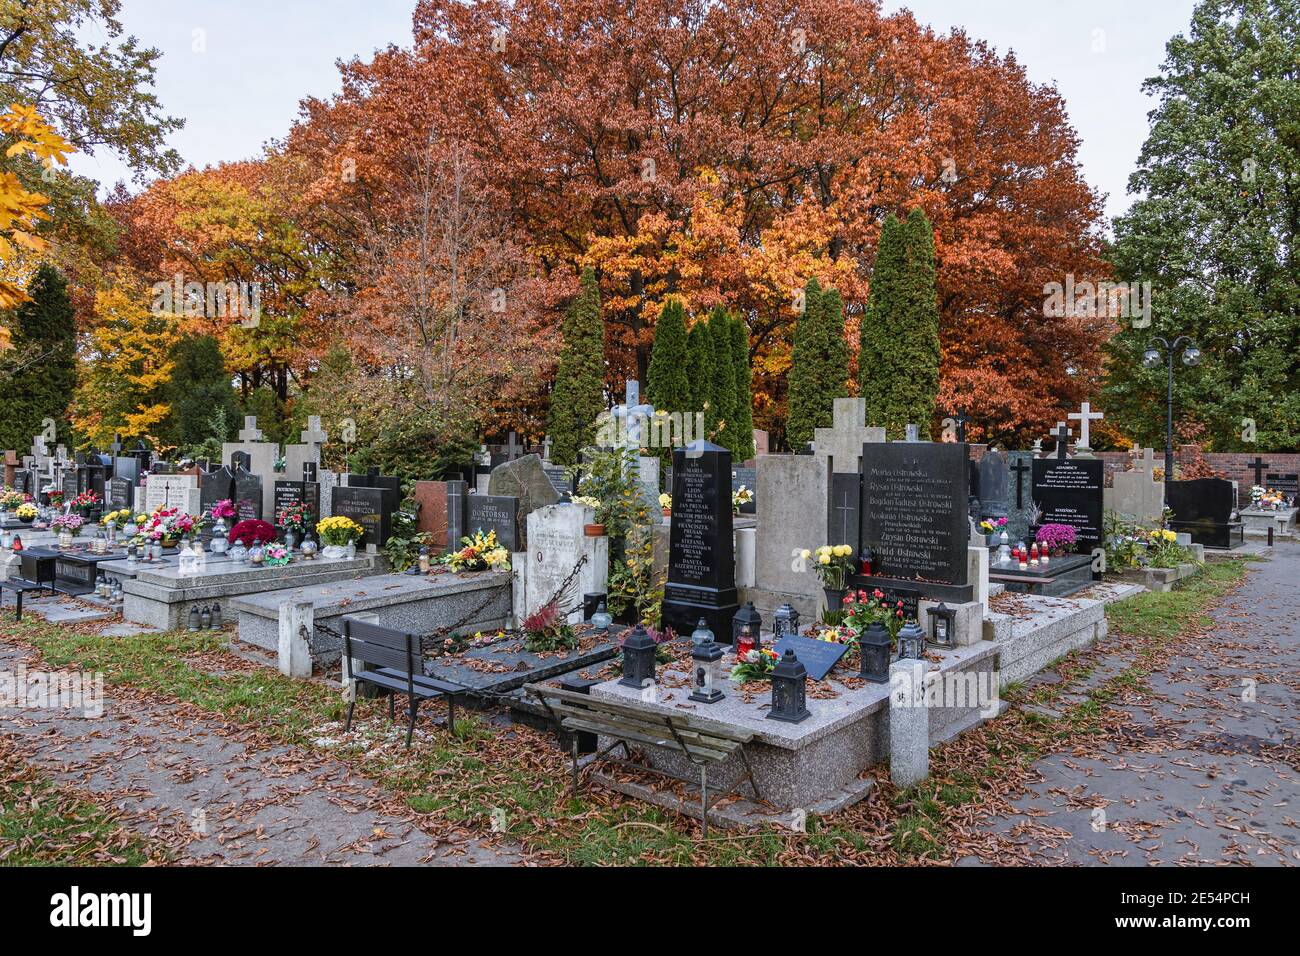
{"x": 225, "y": 508}
{"x": 167, "y": 523}
{"x": 1058, "y": 538}
{"x": 71, "y": 523}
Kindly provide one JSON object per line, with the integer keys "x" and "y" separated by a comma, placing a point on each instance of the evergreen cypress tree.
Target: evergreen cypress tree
{"x": 876, "y": 373}
{"x": 744, "y": 374}
{"x": 724, "y": 378}
{"x": 820, "y": 365}
{"x": 699, "y": 362}
{"x": 202, "y": 399}
{"x": 668, "y": 387}
{"x": 799, "y": 411}
{"x": 579, "y": 393}
{"x": 915, "y": 335}
{"x": 45, "y": 334}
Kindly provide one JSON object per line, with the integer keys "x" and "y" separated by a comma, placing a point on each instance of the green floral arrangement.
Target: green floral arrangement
{"x": 755, "y": 665}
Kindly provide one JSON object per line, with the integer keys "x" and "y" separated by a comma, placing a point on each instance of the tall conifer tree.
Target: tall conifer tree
{"x": 579, "y": 395}
{"x": 916, "y": 333}
{"x": 45, "y": 337}
{"x": 744, "y": 374}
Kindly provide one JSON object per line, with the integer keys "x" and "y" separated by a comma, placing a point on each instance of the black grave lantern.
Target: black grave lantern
{"x": 638, "y": 659}
{"x": 747, "y": 615}
{"x": 875, "y": 651}
{"x": 943, "y": 623}
{"x": 785, "y": 622}
{"x": 911, "y": 641}
{"x": 706, "y": 672}
{"x": 789, "y": 690}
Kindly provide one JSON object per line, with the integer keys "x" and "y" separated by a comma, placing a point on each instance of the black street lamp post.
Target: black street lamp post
{"x": 1151, "y": 358}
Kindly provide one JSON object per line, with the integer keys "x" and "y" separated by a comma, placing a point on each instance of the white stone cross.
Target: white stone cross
{"x": 313, "y": 434}
{"x": 1147, "y": 464}
{"x": 250, "y": 431}
{"x": 546, "y": 448}
{"x": 1084, "y": 416}
{"x": 843, "y": 442}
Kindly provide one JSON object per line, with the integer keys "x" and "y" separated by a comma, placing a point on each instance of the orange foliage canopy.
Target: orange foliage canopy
{"x": 438, "y": 208}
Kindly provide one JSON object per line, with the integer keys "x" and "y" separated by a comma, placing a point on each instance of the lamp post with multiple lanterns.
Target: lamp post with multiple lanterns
{"x": 1152, "y": 358}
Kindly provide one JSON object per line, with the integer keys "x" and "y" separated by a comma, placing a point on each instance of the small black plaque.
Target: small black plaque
{"x": 817, "y": 657}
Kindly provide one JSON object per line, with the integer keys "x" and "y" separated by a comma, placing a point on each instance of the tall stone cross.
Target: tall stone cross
{"x": 961, "y": 420}
{"x": 116, "y": 447}
{"x": 1147, "y": 463}
{"x": 1019, "y": 468}
{"x": 250, "y": 431}
{"x": 843, "y": 442}
{"x": 1258, "y": 465}
{"x": 1084, "y": 416}
{"x": 1062, "y": 436}
{"x": 512, "y": 447}
{"x": 546, "y": 448}
{"x": 313, "y": 434}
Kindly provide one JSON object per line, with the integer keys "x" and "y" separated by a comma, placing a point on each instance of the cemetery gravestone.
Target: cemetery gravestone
{"x": 305, "y": 493}
{"x": 496, "y": 513}
{"x": 248, "y": 495}
{"x": 120, "y": 494}
{"x": 994, "y": 485}
{"x": 1069, "y": 491}
{"x": 1204, "y": 508}
{"x": 1020, "y": 496}
{"x": 369, "y": 508}
{"x": 1136, "y": 493}
{"x": 749, "y": 478}
{"x": 217, "y": 486}
{"x": 556, "y": 545}
{"x": 1289, "y": 485}
{"x": 701, "y": 558}
{"x": 914, "y": 516}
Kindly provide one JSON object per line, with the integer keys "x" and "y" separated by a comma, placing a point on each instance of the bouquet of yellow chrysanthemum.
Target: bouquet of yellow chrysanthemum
{"x": 833, "y": 564}
{"x": 339, "y": 531}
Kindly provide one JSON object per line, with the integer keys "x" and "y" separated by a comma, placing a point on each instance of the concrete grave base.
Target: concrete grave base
{"x": 1257, "y": 522}
{"x": 418, "y": 603}
{"x": 160, "y": 597}
{"x": 805, "y": 764}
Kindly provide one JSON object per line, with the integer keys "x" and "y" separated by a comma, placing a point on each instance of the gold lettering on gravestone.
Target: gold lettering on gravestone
{"x": 911, "y": 511}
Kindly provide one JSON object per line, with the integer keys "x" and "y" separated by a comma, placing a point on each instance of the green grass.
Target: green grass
{"x": 44, "y": 824}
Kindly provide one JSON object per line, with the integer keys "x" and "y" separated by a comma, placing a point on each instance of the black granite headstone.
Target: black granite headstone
{"x": 248, "y": 496}
{"x": 216, "y": 486}
{"x": 817, "y": 657}
{"x": 120, "y": 494}
{"x": 994, "y": 485}
{"x": 845, "y": 517}
{"x": 1203, "y": 507}
{"x": 914, "y": 511}
{"x": 702, "y": 555}
{"x": 366, "y": 506}
{"x": 306, "y": 493}
{"x": 1289, "y": 485}
{"x": 555, "y": 474}
{"x": 1069, "y": 491}
{"x": 497, "y": 513}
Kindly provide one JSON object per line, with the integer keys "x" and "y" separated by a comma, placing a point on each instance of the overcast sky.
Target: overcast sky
{"x": 236, "y": 69}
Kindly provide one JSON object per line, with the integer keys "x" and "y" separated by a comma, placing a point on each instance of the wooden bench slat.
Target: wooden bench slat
{"x": 648, "y": 727}
{"x": 394, "y": 682}
{"x": 681, "y": 721}
{"x": 622, "y": 733}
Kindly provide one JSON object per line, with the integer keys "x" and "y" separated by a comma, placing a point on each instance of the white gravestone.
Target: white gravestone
{"x": 263, "y": 456}
{"x": 843, "y": 442}
{"x": 556, "y": 542}
{"x": 172, "y": 491}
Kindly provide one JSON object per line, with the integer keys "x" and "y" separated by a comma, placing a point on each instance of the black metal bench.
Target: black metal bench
{"x": 395, "y": 659}
{"x": 37, "y": 575}
{"x": 702, "y": 742}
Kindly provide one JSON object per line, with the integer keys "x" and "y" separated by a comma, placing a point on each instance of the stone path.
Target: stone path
{"x": 1208, "y": 770}
{"x": 216, "y": 797}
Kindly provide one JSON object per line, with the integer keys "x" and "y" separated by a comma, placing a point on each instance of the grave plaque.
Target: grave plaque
{"x": 914, "y": 510}
{"x": 306, "y": 493}
{"x": 368, "y": 508}
{"x": 1289, "y": 485}
{"x": 496, "y": 513}
{"x": 817, "y": 657}
{"x": 120, "y": 494}
{"x": 749, "y": 478}
{"x": 994, "y": 485}
{"x": 702, "y": 557}
{"x": 844, "y": 518}
{"x": 248, "y": 496}
{"x": 217, "y": 486}
{"x": 559, "y": 480}
{"x": 69, "y": 485}
{"x": 1070, "y": 491}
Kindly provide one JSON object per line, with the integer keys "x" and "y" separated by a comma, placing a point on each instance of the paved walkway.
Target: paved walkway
{"x": 1208, "y": 769}
{"x": 217, "y": 796}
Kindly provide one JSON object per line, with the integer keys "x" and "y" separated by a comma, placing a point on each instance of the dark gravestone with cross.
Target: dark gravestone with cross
{"x": 1062, "y": 438}
{"x": 1020, "y": 502}
{"x": 702, "y": 558}
{"x": 845, "y": 511}
{"x": 1070, "y": 492}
